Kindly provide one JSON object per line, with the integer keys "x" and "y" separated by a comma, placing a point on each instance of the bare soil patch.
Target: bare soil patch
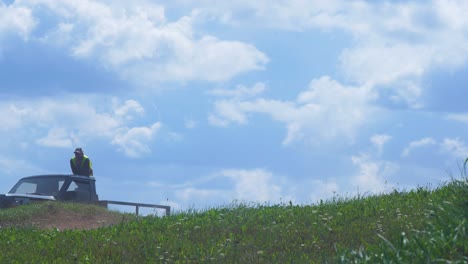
{"x": 64, "y": 219}
{"x": 54, "y": 216}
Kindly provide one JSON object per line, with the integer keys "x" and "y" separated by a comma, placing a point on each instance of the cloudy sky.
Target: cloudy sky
{"x": 196, "y": 104}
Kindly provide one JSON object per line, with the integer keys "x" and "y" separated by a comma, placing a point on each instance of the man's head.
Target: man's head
{"x": 79, "y": 152}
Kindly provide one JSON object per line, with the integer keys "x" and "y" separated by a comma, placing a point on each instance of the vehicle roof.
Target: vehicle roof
{"x": 91, "y": 178}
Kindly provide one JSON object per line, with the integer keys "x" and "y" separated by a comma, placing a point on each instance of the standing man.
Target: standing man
{"x": 81, "y": 164}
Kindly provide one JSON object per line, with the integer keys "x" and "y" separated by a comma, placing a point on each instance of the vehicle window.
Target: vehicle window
{"x": 78, "y": 186}
{"x": 39, "y": 186}
{"x": 27, "y": 187}
{"x": 60, "y": 184}
{"x": 81, "y": 188}
{"x": 73, "y": 186}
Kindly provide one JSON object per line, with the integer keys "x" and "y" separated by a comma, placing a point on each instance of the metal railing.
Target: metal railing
{"x": 137, "y": 206}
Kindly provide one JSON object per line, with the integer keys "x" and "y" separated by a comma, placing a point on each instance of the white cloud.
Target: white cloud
{"x": 126, "y": 110}
{"x": 379, "y": 141}
{"x": 62, "y": 122}
{"x": 260, "y": 186}
{"x": 377, "y": 64}
{"x": 450, "y": 13}
{"x": 134, "y": 141}
{"x": 454, "y": 147}
{"x": 218, "y": 121}
{"x": 257, "y": 186}
{"x": 56, "y": 137}
{"x": 395, "y": 43}
{"x": 372, "y": 176}
{"x": 240, "y": 91}
{"x": 404, "y": 42}
{"x": 463, "y": 118}
{"x": 12, "y": 116}
{"x": 313, "y": 190}
{"x": 190, "y": 123}
{"x": 231, "y": 111}
{"x": 188, "y": 194}
{"x": 138, "y": 42}
{"x": 16, "y": 20}
{"x": 418, "y": 144}
{"x": 451, "y": 148}
{"x": 290, "y": 15}
{"x": 204, "y": 59}
{"x": 326, "y": 110}
{"x": 10, "y": 166}
{"x": 253, "y": 185}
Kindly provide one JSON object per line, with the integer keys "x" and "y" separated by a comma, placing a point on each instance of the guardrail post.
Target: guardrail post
{"x": 104, "y": 204}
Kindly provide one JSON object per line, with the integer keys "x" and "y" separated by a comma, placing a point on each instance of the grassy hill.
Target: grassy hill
{"x": 419, "y": 226}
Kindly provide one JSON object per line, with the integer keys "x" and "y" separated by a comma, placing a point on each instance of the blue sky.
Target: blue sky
{"x": 196, "y": 104}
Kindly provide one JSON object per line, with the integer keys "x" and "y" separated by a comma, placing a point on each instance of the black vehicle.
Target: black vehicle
{"x": 62, "y": 187}
{"x": 57, "y": 187}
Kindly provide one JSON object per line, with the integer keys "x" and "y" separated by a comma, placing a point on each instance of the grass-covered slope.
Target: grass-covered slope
{"x": 420, "y": 226}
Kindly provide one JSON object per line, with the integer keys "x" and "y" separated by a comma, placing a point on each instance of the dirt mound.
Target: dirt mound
{"x": 64, "y": 217}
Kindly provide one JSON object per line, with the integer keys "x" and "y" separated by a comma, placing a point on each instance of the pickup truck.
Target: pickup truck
{"x": 55, "y": 187}
{"x": 62, "y": 187}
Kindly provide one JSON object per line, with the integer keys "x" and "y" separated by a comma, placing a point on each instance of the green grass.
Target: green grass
{"x": 419, "y": 226}
{"x": 24, "y": 215}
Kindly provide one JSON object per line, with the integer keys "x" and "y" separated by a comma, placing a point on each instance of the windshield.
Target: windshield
{"x": 39, "y": 185}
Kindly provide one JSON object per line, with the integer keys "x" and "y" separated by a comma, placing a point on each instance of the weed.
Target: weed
{"x": 420, "y": 226}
